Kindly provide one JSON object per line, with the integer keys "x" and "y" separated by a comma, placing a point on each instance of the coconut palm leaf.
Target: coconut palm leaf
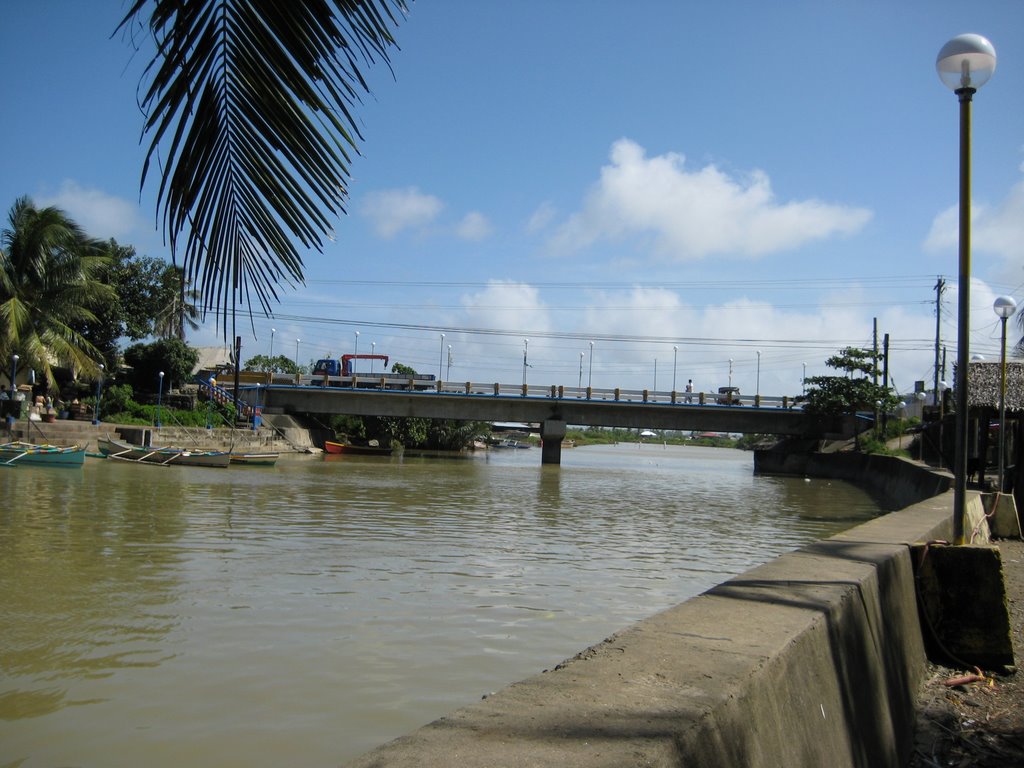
{"x": 49, "y": 285}
{"x": 248, "y": 105}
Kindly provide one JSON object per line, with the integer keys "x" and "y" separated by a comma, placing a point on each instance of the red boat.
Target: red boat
{"x": 346, "y": 448}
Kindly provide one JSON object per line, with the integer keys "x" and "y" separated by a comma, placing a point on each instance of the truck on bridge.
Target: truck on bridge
{"x": 341, "y": 372}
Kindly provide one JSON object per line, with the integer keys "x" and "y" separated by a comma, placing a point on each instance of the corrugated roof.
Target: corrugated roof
{"x": 983, "y": 383}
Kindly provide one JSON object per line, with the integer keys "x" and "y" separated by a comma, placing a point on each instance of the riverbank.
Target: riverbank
{"x": 978, "y": 723}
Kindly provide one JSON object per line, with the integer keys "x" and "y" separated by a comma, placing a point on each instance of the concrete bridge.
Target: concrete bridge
{"x": 553, "y": 408}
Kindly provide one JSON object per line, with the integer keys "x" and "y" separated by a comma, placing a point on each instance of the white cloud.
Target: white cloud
{"x": 474, "y": 226}
{"x": 394, "y": 210}
{"x": 101, "y": 215}
{"x": 541, "y": 218}
{"x": 507, "y": 305}
{"x": 996, "y": 229}
{"x": 694, "y": 214}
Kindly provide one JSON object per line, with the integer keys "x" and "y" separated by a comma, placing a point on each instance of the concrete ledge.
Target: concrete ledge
{"x": 812, "y": 659}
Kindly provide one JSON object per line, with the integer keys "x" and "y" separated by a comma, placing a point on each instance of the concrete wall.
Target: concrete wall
{"x": 812, "y": 659}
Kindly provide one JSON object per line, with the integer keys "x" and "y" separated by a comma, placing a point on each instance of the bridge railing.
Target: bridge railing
{"x": 483, "y": 389}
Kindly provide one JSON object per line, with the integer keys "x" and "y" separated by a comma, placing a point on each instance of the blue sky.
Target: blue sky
{"x": 683, "y": 184}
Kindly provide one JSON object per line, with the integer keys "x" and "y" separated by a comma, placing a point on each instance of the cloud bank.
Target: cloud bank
{"x": 693, "y": 214}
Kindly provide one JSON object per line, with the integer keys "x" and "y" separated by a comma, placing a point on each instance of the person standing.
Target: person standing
{"x": 689, "y": 391}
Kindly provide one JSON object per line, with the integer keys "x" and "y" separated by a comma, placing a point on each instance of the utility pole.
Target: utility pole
{"x": 940, "y": 286}
{"x": 874, "y": 344}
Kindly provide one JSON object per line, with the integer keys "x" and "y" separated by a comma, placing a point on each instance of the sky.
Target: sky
{"x": 626, "y": 194}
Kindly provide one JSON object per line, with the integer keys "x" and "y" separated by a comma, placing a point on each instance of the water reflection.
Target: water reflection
{"x": 319, "y": 608}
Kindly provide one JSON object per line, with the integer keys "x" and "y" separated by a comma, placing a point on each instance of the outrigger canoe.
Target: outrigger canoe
{"x": 16, "y": 453}
{"x": 165, "y": 456}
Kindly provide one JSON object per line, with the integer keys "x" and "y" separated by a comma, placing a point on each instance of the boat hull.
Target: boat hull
{"x": 366, "y": 450}
{"x": 14, "y": 454}
{"x": 141, "y": 454}
{"x": 254, "y": 459}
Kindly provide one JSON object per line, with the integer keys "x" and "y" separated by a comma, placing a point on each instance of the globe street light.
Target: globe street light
{"x": 357, "y": 353}
{"x": 297, "y": 352}
{"x": 675, "y": 352}
{"x": 272, "y": 332}
{"x": 757, "y": 381}
{"x": 440, "y": 359}
{"x": 730, "y": 373}
{"x": 964, "y": 64}
{"x": 159, "y": 396}
{"x": 526, "y": 347}
{"x": 579, "y": 383}
{"x": 373, "y": 351}
{"x": 590, "y": 375}
{"x": 1004, "y": 307}
{"x": 448, "y": 370}
{"x": 14, "y": 374}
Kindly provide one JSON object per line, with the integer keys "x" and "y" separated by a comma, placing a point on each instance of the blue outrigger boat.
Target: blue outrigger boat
{"x": 18, "y": 452}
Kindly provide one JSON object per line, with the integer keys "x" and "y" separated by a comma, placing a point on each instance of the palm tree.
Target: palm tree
{"x": 249, "y": 104}
{"x": 178, "y": 307}
{"x": 49, "y": 286}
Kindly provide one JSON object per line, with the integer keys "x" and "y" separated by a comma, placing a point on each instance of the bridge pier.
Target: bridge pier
{"x": 551, "y": 435}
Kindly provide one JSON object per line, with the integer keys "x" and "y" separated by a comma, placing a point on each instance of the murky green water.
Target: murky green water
{"x": 299, "y": 615}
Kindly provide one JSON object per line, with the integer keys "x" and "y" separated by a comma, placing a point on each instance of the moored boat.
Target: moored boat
{"x": 161, "y": 455}
{"x": 16, "y": 453}
{"x": 373, "y": 450}
{"x": 254, "y": 459}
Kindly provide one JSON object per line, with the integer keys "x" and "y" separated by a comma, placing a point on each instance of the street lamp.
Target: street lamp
{"x": 757, "y": 384}
{"x": 730, "y": 371}
{"x": 448, "y": 371}
{"x": 96, "y": 410}
{"x": 440, "y": 359}
{"x": 579, "y": 382}
{"x": 1004, "y": 307}
{"x": 675, "y": 351}
{"x": 357, "y": 353}
{"x": 373, "y": 351}
{"x": 14, "y": 374}
{"x": 964, "y": 64}
{"x": 272, "y": 332}
{"x": 297, "y": 352}
{"x": 159, "y": 397}
{"x": 590, "y": 375}
{"x": 526, "y": 347}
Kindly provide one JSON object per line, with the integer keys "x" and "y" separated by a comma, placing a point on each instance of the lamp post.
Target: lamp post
{"x": 356, "y": 351}
{"x": 297, "y": 352}
{"x": 579, "y": 382}
{"x": 757, "y": 380}
{"x": 964, "y": 64}
{"x": 159, "y": 397}
{"x": 14, "y": 374}
{"x": 730, "y": 371}
{"x": 448, "y": 370}
{"x": 526, "y": 348}
{"x": 590, "y": 375}
{"x": 96, "y": 410}
{"x": 272, "y": 332}
{"x": 440, "y": 359}
{"x": 675, "y": 353}
{"x": 1004, "y": 307}
{"x": 373, "y": 351}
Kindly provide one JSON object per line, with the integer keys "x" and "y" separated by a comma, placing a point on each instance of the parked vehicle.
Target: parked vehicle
{"x": 335, "y": 372}
{"x": 728, "y": 396}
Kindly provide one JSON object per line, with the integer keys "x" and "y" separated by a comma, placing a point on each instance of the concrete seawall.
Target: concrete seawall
{"x": 812, "y": 659}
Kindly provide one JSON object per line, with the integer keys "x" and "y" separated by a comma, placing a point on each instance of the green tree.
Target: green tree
{"x": 177, "y": 307}
{"x": 275, "y": 364}
{"x": 172, "y": 356}
{"x": 852, "y": 392}
{"x": 250, "y": 112}
{"x": 49, "y": 288}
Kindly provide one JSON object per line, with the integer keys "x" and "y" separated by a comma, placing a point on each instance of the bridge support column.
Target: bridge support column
{"x": 551, "y": 434}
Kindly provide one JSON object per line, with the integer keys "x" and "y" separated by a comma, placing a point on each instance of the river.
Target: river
{"x": 301, "y": 614}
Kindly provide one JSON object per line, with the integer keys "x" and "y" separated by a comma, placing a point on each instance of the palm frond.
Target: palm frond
{"x": 249, "y": 111}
